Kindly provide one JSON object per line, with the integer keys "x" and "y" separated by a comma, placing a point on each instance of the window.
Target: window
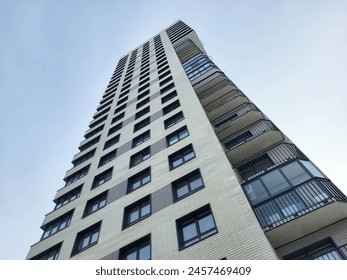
{"x": 141, "y": 124}
{"x": 187, "y": 185}
{"x": 165, "y": 81}
{"x": 167, "y": 88}
{"x": 95, "y": 204}
{"x": 143, "y": 87}
{"x": 279, "y": 180}
{"x": 169, "y": 108}
{"x": 138, "y": 250}
{"x": 114, "y": 129}
{"x": 140, "y": 157}
{"x": 168, "y": 97}
{"x": 141, "y": 138}
{"x": 86, "y": 238}
{"x": 76, "y": 176}
{"x": 164, "y": 74}
{"x": 177, "y": 136}
{"x": 163, "y": 69}
{"x": 102, "y": 178}
{"x": 195, "y": 226}
{"x": 112, "y": 141}
{"x": 97, "y": 122}
{"x": 138, "y": 180}
{"x": 142, "y": 103}
{"x": 120, "y": 108}
{"x": 68, "y": 197}
{"x": 93, "y": 132}
{"x": 173, "y": 120}
{"x": 56, "y": 225}
{"x": 83, "y": 158}
{"x": 141, "y": 113}
{"x": 144, "y": 81}
{"x": 108, "y": 157}
{"x": 89, "y": 144}
{"x": 137, "y": 211}
{"x": 50, "y": 254}
{"x": 117, "y": 118}
{"x": 181, "y": 156}
{"x": 142, "y": 95}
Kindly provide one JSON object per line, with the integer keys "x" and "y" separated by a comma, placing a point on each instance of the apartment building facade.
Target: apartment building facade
{"x": 178, "y": 163}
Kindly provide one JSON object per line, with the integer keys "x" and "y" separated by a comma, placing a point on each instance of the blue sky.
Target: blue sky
{"x": 56, "y": 58}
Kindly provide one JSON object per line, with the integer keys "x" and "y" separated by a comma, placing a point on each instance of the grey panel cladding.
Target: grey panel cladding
{"x": 161, "y": 198}
{"x": 112, "y": 256}
{"x": 158, "y": 146}
{"x": 117, "y": 192}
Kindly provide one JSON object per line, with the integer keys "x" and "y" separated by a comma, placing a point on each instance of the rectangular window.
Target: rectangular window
{"x": 138, "y": 250}
{"x": 143, "y": 87}
{"x": 163, "y": 69}
{"x": 140, "y": 157}
{"x": 56, "y": 225}
{"x": 187, "y": 185}
{"x": 195, "y": 227}
{"x": 182, "y": 156}
{"x": 141, "y": 113}
{"x": 173, "y": 120}
{"x": 76, "y": 176}
{"x": 114, "y": 129}
{"x": 108, "y": 157}
{"x": 94, "y": 132}
{"x": 68, "y": 197}
{"x": 167, "y": 88}
{"x": 254, "y": 166}
{"x": 177, "y": 135}
{"x": 83, "y": 158}
{"x": 120, "y": 108}
{"x": 89, "y": 144}
{"x": 95, "y": 204}
{"x": 142, "y": 95}
{"x": 137, "y": 211}
{"x": 142, "y": 124}
{"x": 165, "y": 81}
{"x": 164, "y": 74}
{"x": 142, "y": 103}
{"x": 138, "y": 180}
{"x": 169, "y": 108}
{"x": 86, "y": 238}
{"x": 141, "y": 138}
{"x": 117, "y": 118}
{"x": 102, "y": 178}
{"x": 50, "y": 254}
{"x": 144, "y": 81}
{"x": 97, "y": 122}
{"x": 112, "y": 141}
{"x": 168, "y": 97}
{"x": 125, "y": 93}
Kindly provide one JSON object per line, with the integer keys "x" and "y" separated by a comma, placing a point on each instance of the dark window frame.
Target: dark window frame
{"x": 181, "y": 155}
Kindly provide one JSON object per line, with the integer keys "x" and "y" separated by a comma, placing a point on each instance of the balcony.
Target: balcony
{"x": 267, "y": 161}
{"x": 301, "y": 210}
{"x": 236, "y": 120}
{"x": 252, "y": 140}
{"x": 340, "y": 253}
{"x": 225, "y": 104}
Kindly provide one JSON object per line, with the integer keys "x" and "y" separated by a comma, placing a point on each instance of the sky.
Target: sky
{"x": 57, "y": 57}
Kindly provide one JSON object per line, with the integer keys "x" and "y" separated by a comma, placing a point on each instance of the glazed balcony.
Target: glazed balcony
{"x": 252, "y": 140}
{"x": 225, "y": 104}
{"x": 301, "y": 210}
{"x": 236, "y": 120}
{"x": 256, "y": 166}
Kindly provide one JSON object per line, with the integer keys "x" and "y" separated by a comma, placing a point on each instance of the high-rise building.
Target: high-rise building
{"x": 178, "y": 163}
